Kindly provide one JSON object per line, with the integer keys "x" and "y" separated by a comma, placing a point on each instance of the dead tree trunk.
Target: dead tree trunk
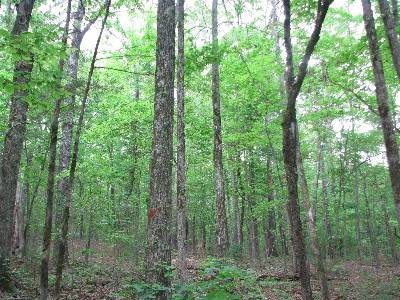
{"x": 13, "y": 142}
{"x": 392, "y": 148}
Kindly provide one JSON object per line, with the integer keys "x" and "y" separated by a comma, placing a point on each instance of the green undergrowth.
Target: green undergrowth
{"x": 215, "y": 279}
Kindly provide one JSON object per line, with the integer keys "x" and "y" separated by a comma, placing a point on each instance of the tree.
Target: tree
{"x": 65, "y": 217}
{"x": 221, "y": 221}
{"x": 44, "y": 274}
{"x": 392, "y": 148}
{"x": 290, "y": 140}
{"x": 13, "y": 143}
{"x": 158, "y": 252}
{"x": 180, "y": 152}
{"x": 390, "y": 28}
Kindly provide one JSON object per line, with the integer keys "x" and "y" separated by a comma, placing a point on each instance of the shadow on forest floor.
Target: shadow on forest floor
{"x": 111, "y": 275}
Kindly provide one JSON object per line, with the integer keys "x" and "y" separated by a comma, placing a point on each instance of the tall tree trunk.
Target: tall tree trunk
{"x": 393, "y": 38}
{"x": 327, "y": 222}
{"x": 44, "y": 270}
{"x": 369, "y": 221}
{"x": 270, "y": 224}
{"x": 236, "y": 209}
{"x": 67, "y": 118}
{"x": 389, "y": 232}
{"x": 290, "y": 140}
{"x": 221, "y": 221}
{"x": 30, "y": 202}
{"x": 315, "y": 244}
{"x": 74, "y": 160}
{"x": 395, "y": 8}
{"x": 180, "y": 152}
{"x": 358, "y": 227}
{"x": 194, "y": 240}
{"x": 13, "y": 142}
{"x": 392, "y": 148}
{"x": 159, "y": 212}
{"x": 18, "y": 237}
{"x": 89, "y": 238}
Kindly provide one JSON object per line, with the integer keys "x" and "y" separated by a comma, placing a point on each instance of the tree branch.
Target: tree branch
{"x": 125, "y": 71}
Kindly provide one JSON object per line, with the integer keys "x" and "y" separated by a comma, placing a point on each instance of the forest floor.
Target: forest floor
{"x": 109, "y": 275}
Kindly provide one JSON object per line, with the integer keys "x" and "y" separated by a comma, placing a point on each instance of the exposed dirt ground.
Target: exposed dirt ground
{"x": 107, "y": 273}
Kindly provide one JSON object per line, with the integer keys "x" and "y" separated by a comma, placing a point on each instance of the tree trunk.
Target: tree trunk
{"x": 159, "y": 213}
{"x": 89, "y": 239}
{"x": 290, "y": 140}
{"x": 30, "y": 203}
{"x": 369, "y": 221}
{"x": 194, "y": 240}
{"x": 358, "y": 227}
{"x": 18, "y": 236}
{"x": 74, "y": 160}
{"x": 270, "y": 224}
{"x": 180, "y": 152}
{"x": 389, "y": 232}
{"x": 315, "y": 244}
{"x": 44, "y": 271}
{"x": 202, "y": 246}
{"x": 221, "y": 221}
{"x": 13, "y": 142}
{"x": 390, "y": 28}
{"x": 67, "y": 117}
{"x": 236, "y": 209}
{"x": 327, "y": 222}
{"x": 392, "y": 148}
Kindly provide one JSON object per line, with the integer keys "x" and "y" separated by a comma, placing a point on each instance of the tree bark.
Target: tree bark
{"x": 194, "y": 239}
{"x": 13, "y": 142}
{"x": 180, "y": 152}
{"x": 290, "y": 141}
{"x": 68, "y": 119}
{"x": 395, "y": 8}
{"x": 18, "y": 237}
{"x": 327, "y": 222}
{"x": 30, "y": 203}
{"x": 389, "y": 232}
{"x": 236, "y": 208}
{"x": 393, "y": 38}
{"x": 44, "y": 270}
{"x": 270, "y": 224}
{"x": 74, "y": 160}
{"x": 159, "y": 212}
{"x": 370, "y": 227}
{"x": 315, "y": 244}
{"x": 221, "y": 221}
{"x": 358, "y": 227}
{"x": 392, "y": 148}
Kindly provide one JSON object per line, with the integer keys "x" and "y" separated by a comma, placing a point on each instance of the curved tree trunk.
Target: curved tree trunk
{"x": 290, "y": 140}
